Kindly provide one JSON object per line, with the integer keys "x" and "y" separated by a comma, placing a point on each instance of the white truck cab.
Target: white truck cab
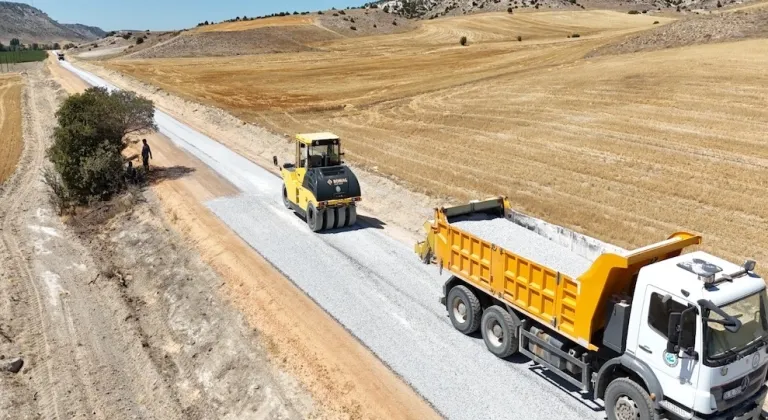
{"x": 701, "y": 324}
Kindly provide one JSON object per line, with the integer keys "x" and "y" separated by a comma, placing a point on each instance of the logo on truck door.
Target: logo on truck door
{"x": 670, "y": 359}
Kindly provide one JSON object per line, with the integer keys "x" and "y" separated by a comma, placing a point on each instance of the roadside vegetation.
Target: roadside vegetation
{"x": 88, "y": 165}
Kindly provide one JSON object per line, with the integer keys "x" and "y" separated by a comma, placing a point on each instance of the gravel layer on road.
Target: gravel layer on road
{"x": 527, "y": 244}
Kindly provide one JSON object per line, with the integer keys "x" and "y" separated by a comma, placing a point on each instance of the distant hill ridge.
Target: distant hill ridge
{"x": 29, "y": 24}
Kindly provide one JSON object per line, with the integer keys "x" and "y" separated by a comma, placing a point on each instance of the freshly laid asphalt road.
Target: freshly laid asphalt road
{"x": 379, "y": 290}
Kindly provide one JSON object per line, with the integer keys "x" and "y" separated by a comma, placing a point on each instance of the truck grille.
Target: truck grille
{"x": 748, "y": 384}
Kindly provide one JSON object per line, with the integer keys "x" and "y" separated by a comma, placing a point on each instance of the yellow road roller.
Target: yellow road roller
{"x": 319, "y": 186}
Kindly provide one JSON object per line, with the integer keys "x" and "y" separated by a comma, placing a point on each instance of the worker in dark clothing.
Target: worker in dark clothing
{"x": 130, "y": 173}
{"x": 146, "y": 154}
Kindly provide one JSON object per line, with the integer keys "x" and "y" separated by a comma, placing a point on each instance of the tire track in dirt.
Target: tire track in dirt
{"x": 21, "y": 186}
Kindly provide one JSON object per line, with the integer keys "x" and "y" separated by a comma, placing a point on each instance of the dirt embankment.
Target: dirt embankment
{"x": 720, "y": 27}
{"x": 10, "y": 124}
{"x": 117, "y": 319}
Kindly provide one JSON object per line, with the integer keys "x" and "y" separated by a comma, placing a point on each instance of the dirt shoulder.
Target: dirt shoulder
{"x": 719, "y": 27}
{"x": 343, "y": 377}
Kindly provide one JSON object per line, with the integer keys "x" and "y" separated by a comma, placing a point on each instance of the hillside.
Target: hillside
{"x": 88, "y": 32}
{"x": 430, "y": 9}
{"x": 30, "y": 24}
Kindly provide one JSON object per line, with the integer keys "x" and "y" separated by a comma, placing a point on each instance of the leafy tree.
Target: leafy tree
{"x": 35, "y": 46}
{"x": 56, "y": 46}
{"x": 2, "y": 47}
{"x": 89, "y": 139}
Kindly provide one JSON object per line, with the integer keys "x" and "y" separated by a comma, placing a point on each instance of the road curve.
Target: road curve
{"x": 379, "y": 291}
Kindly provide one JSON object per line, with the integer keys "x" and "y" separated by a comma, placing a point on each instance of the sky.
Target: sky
{"x": 171, "y": 14}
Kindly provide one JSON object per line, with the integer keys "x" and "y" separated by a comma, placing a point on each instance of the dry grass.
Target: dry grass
{"x": 11, "y": 143}
{"x": 627, "y": 148}
{"x": 297, "y": 20}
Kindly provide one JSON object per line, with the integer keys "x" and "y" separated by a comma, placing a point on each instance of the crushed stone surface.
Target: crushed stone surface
{"x": 527, "y": 244}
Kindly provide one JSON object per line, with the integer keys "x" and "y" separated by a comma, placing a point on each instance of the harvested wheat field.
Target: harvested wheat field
{"x": 10, "y": 124}
{"x": 629, "y": 148}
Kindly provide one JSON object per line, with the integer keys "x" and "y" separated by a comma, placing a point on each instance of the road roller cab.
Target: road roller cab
{"x": 318, "y": 185}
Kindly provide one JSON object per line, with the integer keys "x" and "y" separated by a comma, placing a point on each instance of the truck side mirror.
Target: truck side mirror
{"x": 673, "y": 333}
{"x": 686, "y": 340}
{"x": 274, "y": 160}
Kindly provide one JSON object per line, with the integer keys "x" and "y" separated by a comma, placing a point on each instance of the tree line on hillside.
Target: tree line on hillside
{"x": 16, "y": 45}
{"x": 281, "y": 14}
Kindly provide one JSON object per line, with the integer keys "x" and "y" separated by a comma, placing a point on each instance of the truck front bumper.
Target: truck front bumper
{"x": 751, "y": 409}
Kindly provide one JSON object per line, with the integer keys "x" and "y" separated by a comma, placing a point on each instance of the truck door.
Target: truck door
{"x": 678, "y": 376}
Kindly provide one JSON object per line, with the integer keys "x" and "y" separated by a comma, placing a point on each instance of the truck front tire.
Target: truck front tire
{"x": 625, "y": 399}
{"x": 499, "y": 332}
{"x": 464, "y": 309}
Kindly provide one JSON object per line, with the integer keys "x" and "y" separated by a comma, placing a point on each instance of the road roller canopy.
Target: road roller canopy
{"x": 316, "y": 138}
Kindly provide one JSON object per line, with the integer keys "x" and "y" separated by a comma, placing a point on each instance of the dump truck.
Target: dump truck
{"x": 653, "y": 332}
{"x": 318, "y": 186}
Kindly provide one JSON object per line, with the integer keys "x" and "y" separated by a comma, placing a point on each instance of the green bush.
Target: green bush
{"x": 463, "y": 41}
{"x": 139, "y": 41}
{"x": 633, "y": 12}
{"x": 89, "y": 139}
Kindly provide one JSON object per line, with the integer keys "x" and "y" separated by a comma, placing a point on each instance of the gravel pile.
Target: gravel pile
{"x": 527, "y": 244}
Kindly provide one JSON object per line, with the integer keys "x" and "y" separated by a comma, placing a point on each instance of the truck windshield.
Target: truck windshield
{"x": 751, "y": 311}
{"x": 324, "y": 155}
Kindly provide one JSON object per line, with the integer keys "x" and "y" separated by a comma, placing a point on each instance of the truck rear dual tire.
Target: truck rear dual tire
{"x": 499, "y": 331}
{"x": 464, "y": 309}
{"x": 625, "y": 399}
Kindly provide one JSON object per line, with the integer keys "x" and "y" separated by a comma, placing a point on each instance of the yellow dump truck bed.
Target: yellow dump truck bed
{"x": 554, "y": 275}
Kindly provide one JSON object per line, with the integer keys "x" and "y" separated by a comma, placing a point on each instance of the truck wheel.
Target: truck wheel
{"x": 464, "y": 309}
{"x": 286, "y": 202}
{"x": 499, "y": 332}
{"x": 314, "y": 218}
{"x": 627, "y": 400}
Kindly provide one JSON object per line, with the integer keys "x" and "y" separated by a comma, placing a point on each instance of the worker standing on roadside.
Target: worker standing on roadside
{"x": 146, "y": 154}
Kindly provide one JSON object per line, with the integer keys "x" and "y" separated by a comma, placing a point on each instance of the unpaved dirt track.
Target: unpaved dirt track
{"x": 378, "y": 289}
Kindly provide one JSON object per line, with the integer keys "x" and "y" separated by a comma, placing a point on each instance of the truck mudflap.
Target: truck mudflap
{"x": 751, "y": 409}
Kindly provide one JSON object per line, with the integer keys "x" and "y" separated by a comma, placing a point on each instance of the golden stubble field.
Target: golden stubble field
{"x": 11, "y": 143}
{"x": 627, "y": 148}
